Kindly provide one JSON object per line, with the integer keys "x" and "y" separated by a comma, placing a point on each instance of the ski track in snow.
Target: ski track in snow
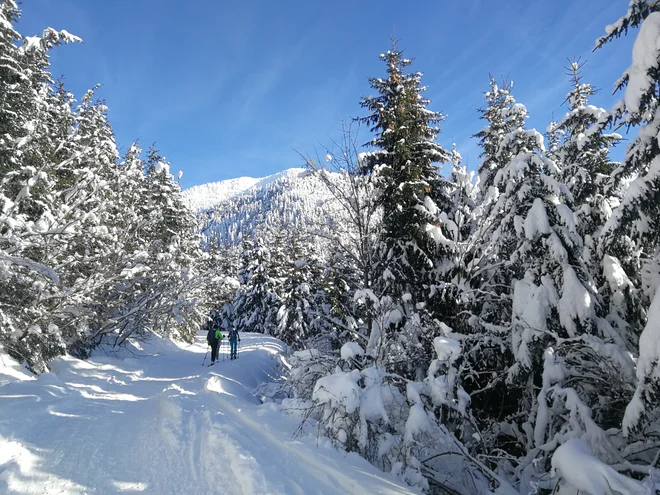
{"x": 160, "y": 423}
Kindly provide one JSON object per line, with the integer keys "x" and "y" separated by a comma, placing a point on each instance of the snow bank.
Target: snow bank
{"x": 574, "y": 462}
{"x": 339, "y": 389}
{"x": 11, "y": 370}
{"x": 351, "y": 350}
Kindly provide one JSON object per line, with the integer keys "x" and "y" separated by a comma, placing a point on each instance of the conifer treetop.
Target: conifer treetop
{"x": 404, "y": 127}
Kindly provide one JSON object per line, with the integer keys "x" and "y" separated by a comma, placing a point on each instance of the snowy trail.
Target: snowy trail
{"x": 160, "y": 423}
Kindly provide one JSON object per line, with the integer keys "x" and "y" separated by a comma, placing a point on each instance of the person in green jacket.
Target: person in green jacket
{"x": 214, "y": 337}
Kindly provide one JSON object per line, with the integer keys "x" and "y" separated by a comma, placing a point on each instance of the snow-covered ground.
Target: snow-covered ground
{"x": 155, "y": 421}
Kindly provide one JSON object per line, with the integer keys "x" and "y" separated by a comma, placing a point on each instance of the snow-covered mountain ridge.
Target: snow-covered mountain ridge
{"x": 229, "y": 209}
{"x": 205, "y": 196}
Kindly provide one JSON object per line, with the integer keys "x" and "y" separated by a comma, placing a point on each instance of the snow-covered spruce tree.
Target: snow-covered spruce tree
{"x": 539, "y": 254}
{"x": 485, "y": 302}
{"x": 332, "y": 307}
{"x": 532, "y": 295}
{"x": 557, "y": 339}
{"x": 582, "y": 154}
{"x": 464, "y": 194}
{"x": 296, "y": 315}
{"x": 586, "y": 369}
{"x": 487, "y": 287}
{"x": 120, "y": 306}
{"x": 414, "y": 254}
{"x": 462, "y": 222}
{"x": 156, "y": 256}
{"x": 256, "y": 296}
{"x": 127, "y": 309}
{"x": 81, "y": 236}
{"x": 582, "y": 149}
{"x": 335, "y": 296}
{"x": 502, "y": 115}
{"x": 638, "y": 11}
{"x": 85, "y": 169}
{"x": 176, "y": 283}
{"x": 219, "y": 266}
{"x": 31, "y": 121}
{"x": 631, "y": 235}
{"x": 635, "y": 223}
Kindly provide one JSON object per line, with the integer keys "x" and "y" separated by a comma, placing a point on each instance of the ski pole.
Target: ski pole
{"x": 207, "y": 353}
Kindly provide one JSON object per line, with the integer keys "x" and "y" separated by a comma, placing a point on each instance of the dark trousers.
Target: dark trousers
{"x": 214, "y": 350}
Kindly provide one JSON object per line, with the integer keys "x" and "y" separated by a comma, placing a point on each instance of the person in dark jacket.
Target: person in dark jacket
{"x": 214, "y": 337}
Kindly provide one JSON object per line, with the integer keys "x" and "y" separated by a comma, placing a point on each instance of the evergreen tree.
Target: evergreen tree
{"x": 219, "y": 264}
{"x": 84, "y": 200}
{"x": 256, "y": 296}
{"x": 414, "y": 247}
{"x": 631, "y": 237}
{"x": 488, "y": 281}
{"x": 582, "y": 154}
{"x": 339, "y": 281}
{"x": 532, "y": 291}
{"x": 583, "y": 158}
{"x": 175, "y": 250}
{"x": 638, "y": 10}
{"x": 295, "y": 314}
{"x": 464, "y": 195}
{"x": 89, "y": 246}
{"x": 496, "y": 238}
{"x": 120, "y": 307}
{"x": 502, "y": 115}
{"x": 30, "y": 222}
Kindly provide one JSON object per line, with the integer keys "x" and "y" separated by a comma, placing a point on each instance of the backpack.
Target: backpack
{"x": 210, "y": 337}
{"x": 233, "y": 334}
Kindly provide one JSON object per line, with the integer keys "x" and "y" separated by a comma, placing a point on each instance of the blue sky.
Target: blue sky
{"x": 232, "y": 88}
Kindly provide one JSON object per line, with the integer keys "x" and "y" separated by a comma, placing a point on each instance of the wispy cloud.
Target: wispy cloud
{"x": 265, "y": 80}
